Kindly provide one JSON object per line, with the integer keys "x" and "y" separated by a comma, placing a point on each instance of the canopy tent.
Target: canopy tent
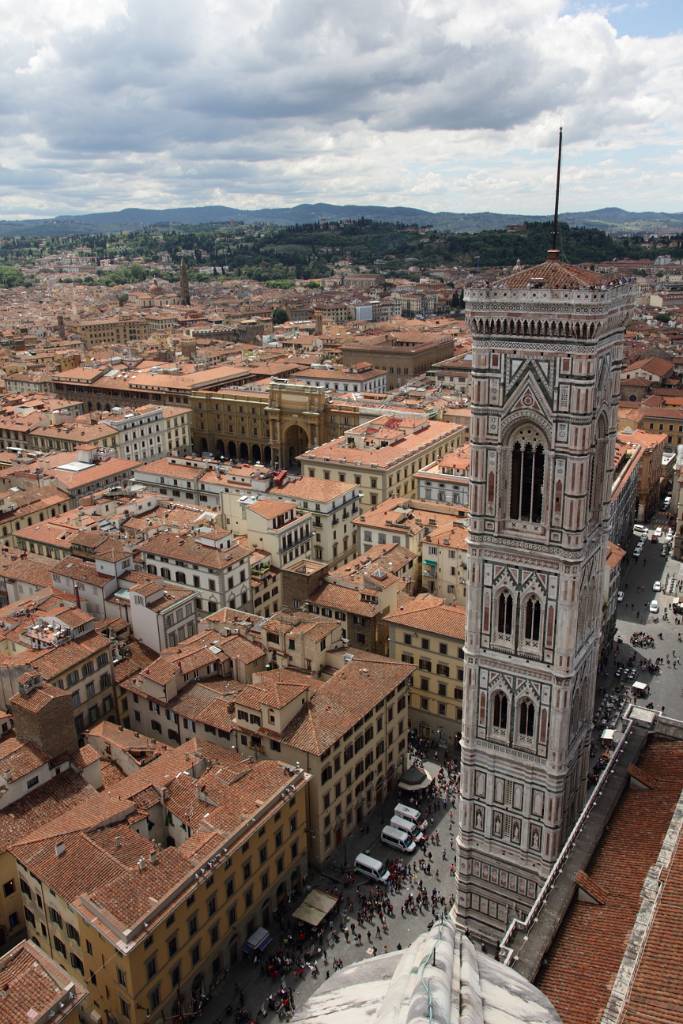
{"x": 258, "y": 941}
{"x": 315, "y": 908}
{"x": 414, "y": 779}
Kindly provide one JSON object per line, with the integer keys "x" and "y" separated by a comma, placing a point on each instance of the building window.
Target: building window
{"x": 526, "y": 490}
{"x": 500, "y": 711}
{"x": 505, "y": 613}
{"x": 77, "y": 963}
{"x": 527, "y": 713}
{"x": 532, "y": 619}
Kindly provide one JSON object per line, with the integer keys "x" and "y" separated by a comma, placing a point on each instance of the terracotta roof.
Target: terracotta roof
{"x": 652, "y": 364}
{"x": 656, "y": 995}
{"x": 552, "y": 274}
{"x": 309, "y": 489}
{"x": 41, "y": 806}
{"x": 187, "y": 549}
{"x": 18, "y": 759}
{"x": 587, "y": 952}
{"x": 270, "y": 509}
{"x": 401, "y": 444}
{"x": 344, "y": 699}
{"x": 430, "y": 614}
{"x": 275, "y": 689}
{"x": 343, "y": 599}
{"x": 34, "y": 987}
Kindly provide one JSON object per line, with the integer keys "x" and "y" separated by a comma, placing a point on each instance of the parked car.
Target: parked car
{"x": 656, "y": 586}
{"x": 654, "y": 607}
{"x": 397, "y": 839}
{"x": 370, "y": 867}
{"x": 411, "y": 814}
{"x": 620, "y": 596}
{"x": 658, "y": 532}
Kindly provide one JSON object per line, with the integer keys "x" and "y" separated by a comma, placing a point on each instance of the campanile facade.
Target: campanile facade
{"x": 546, "y": 358}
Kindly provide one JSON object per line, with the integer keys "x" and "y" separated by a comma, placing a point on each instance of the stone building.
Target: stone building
{"x": 547, "y": 356}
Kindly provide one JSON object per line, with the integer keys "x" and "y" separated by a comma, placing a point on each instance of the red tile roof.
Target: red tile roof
{"x": 656, "y": 995}
{"x": 552, "y": 274}
{"x": 587, "y": 952}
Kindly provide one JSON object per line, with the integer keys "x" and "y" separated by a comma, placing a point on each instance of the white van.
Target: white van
{"x": 410, "y": 827}
{"x": 371, "y": 868}
{"x": 409, "y": 813}
{"x": 398, "y": 839}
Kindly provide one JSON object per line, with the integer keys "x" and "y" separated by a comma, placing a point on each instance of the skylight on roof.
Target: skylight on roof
{"x": 76, "y": 467}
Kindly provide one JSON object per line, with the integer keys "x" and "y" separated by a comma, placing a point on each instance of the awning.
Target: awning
{"x": 315, "y": 907}
{"x": 258, "y": 941}
{"x": 414, "y": 779}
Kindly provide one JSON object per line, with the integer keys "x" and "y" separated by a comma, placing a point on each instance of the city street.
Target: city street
{"x": 633, "y": 615}
{"x": 249, "y": 981}
{"x": 256, "y": 985}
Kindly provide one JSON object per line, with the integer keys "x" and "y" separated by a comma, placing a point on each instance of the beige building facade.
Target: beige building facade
{"x": 428, "y": 634}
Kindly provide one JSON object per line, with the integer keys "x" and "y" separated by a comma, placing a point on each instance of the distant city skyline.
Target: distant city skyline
{"x": 114, "y": 103}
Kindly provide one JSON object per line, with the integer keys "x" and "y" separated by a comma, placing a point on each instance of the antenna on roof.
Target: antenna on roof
{"x": 554, "y": 253}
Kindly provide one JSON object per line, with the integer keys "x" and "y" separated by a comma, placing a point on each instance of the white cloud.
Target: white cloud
{"x": 105, "y": 103}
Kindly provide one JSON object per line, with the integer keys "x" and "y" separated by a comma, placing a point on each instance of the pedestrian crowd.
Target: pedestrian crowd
{"x": 364, "y": 911}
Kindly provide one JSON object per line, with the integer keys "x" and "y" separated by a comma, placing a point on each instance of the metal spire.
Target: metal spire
{"x": 554, "y": 252}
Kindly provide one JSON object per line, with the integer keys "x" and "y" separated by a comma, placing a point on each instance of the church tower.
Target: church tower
{"x": 547, "y": 345}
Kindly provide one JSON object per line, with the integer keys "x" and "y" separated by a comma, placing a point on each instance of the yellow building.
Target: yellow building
{"x": 149, "y": 890}
{"x": 429, "y": 634}
{"x": 270, "y": 423}
{"x": 382, "y": 455}
{"x": 112, "y": 331}
{"x": 350, "y": 732}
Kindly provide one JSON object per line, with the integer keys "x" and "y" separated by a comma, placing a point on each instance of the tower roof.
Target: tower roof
{"x": 553, "y": 274}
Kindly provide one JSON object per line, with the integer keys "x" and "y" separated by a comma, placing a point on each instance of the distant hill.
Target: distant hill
{"x": 610, "y": 219}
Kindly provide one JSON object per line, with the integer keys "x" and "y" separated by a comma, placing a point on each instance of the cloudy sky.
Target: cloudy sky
{"x": 441, "y": 104}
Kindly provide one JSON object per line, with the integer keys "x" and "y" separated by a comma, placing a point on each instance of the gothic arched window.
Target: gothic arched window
{"x": 505, "y": 613}
{"x": 500, "y": 711}
{"x": 597, "y": 482}
{"x": 527, "y": 714}
{"x": 532, "y": 619}
{"x": 526, "y": 477}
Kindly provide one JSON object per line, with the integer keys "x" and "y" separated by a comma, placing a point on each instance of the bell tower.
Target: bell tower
{"x": 547, "y": 347}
